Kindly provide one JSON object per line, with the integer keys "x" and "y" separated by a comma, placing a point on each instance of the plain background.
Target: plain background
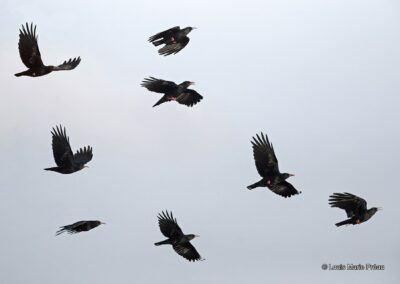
{"x": 321, "y": 78}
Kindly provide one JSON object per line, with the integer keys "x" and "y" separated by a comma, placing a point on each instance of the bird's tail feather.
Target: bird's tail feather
{"x": 20, "y": 74}
{"x": 166, "y": 242}
{"x": 254, "y": 185}
{"x": 162, "y": 100}
{"x": 345, "y": 222}
{"x": 51, "y": 169}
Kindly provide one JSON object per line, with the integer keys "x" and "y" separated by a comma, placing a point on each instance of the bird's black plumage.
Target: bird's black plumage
{"x": 81, "y": 226}
{"x": 180, "y": 242}
{"x": 267, "y": 167}
{"x": 30, "y": 55}
{"x": 355, "y": 207}
{"x": 66, "y": 161}
{"x": 175, "y": 39}
{"x": 172, "y": 91}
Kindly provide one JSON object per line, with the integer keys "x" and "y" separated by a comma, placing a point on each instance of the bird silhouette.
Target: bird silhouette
{"x": 355, "y": 207}
{"x": 30, "y": 55}
{"x": 67, "y": 162}
{"x": 175, "y": 39}
{"x": 179, "y": 241}
{"x": 267, "y": 167}
{"x": 81, "y": 226}
{"x": 172, "y": 92}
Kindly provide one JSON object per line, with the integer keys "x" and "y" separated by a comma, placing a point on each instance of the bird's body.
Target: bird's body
{"x": 179, "y": 241}
{"x": 30, "y": 55}
{"x": 355, "y": 207}
{"x": 36, "y": 71}
{"x": 66, "y": 161}
{"x": 175, "y": 39}
{"x": 267, "y": 167}
{"x": 81, "y": 226}
{"x": 172, "y": 92}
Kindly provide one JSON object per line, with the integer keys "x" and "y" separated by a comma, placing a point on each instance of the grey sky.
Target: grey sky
{"x": 321, "y": 78}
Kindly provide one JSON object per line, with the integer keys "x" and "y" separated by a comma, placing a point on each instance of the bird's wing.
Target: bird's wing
{"x": 28, "y": 47}
{"x": 188, "y": 251}
{"x": 174, "y": 47}
{"x": 189, "y": 97}
{"x": 168, "y": 225}
{"x": 352, "y": 204}
{"x": 68, "y": 65}
{"x": 158, "y": 85}
{"x": 264, "y": 155}
{"x": 83, "y": 155}
{"x": 61, "y": 148}
{"x": 71, "y": 229}
{"x": 284, "y": 189}
{"x": 163, "y": 34}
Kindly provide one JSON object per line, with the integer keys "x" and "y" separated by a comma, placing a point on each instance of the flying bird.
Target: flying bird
{"x": 30, "y": 55}
{"x": 175, "y": 39}
{"x": 66, "y": 161}
{"x": 267, "y": 167}
{"x": 172, "y": 92}
{"x": 179, "y": 241}
{"x": 81, "y": 226}
{"x": 355, "y": 207}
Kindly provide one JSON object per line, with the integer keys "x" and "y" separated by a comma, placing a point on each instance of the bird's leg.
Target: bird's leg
{"x": 358, "y": 221}
{"x": 173, "y": 40}
{"x": 173, "y": 98}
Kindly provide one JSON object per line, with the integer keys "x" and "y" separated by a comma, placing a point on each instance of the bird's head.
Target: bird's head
{"x": 191, "y": 236}
{"x": 286, "y": 176}
{"x": 188, "y": 30}
{"x": 373, "y": 210}
{"x": 186, "y": 84}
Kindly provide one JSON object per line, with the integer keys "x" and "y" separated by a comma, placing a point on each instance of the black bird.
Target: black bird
{"x": 172, "y": 91}
{"x": 81, "y": 226}
{"x": 66, "y": 161}
{"x": 267, "y": 167}
{"x": 175, "y": 39}
{"x": 355, "y": 207}
{"x": 30, "y": 55}
{"x": 179, "y": 241}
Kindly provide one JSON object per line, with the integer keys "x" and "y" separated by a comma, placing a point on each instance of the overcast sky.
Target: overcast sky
{"x": 321, "y": 78}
